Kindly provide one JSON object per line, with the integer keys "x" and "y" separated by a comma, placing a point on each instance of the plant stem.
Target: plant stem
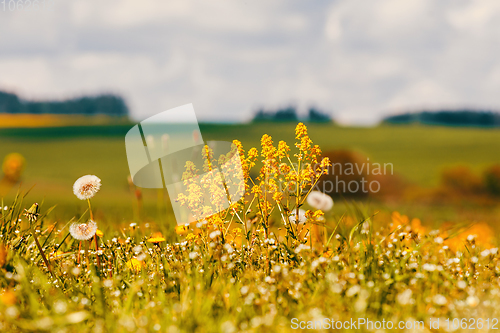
{"x": 79, "y": 249}
{"x": 41, "y": 252}
{"x": 87, "y": 252}
{"x": 97, "y": 250}
{"x": 90, "y": 210}
{"x": 95, "y": 237}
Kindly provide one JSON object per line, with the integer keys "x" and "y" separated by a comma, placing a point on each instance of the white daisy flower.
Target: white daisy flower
{"x": 83, "y": 231}
{"x": 319, "y": 200}
{"x": 86, "y": 187}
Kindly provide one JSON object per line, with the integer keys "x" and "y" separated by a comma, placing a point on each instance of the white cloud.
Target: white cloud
{"x": 360, "y": 59}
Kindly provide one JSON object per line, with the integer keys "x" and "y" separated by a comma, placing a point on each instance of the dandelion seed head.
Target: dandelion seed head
{"x": 86, "y": 187}
{"x": 60, "y": 306}
{"x": 214, "y": 234}
{"x": 429, "y": 267}
{"x": 404, "y": 298}
{"x": 485, "y": 253}
{"x": 83, "y": 231}
{"x": 302, "y": 217}
{"x": 12, "y": 312}
{"x": 319, "y": 200}
{"x": 244, "y": 290}
{"x": 353, "y": 290}
{"x": 439, "y": 299}
{"x": 438, "y": 240}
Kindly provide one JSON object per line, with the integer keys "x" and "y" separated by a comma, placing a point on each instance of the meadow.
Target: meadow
{"x": 55, "y": 156}
{"x": 275, "y": 261}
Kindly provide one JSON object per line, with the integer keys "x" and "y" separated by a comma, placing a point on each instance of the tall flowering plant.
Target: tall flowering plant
{"x": 285, "y": 184}
{"x": 85, "y": 188}
{"x": 285, "y": 179}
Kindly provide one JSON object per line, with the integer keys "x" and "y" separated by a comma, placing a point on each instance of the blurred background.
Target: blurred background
{"x": 413, "y": 83}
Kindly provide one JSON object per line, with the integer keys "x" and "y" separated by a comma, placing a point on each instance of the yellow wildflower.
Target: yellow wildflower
{"x": 318, "y": 214}
{"x": 328, "y": 253}
{"x": 156, "y": 238}
{"x": 252, "y": 154}
{"x": 300, "y": 130}
{"x": 268, "y": 150}
{"x": 181, "y": 229}
{"x": 135, "y": 265}
{"x": 283, "y": 149}
{"x": 7, "y": 297}
{"x": 192, "y": 237}
{"x": 480, "y": 234}
{"x": 13, "y": 166}
{"x": 235, "y": 240}
{"x": 399, "y": 220}
{"x": 417, "y": 228}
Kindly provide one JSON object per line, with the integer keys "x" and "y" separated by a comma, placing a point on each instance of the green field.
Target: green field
{"x": 251, "y": 268}
{"x": 57, "y": 157}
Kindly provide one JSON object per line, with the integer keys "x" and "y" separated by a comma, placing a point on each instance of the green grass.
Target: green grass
{"x": 57, "y": 157}
{"x": 417, "y": 152}
{"x": 395, "y": 273}
{"x": 221, "y": 275}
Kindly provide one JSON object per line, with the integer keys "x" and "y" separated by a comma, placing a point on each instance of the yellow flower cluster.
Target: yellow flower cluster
{"x": 283, "y": 182}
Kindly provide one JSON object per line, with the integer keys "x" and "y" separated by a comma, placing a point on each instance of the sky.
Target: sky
{"x": 358, "y": 60}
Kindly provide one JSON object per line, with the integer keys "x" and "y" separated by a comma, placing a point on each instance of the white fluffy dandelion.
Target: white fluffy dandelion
{"x": 83, "y": 231}
{"x": 302, "y": 217}
{"x": 86, "y": 187}
{"x": 319, "y": 200}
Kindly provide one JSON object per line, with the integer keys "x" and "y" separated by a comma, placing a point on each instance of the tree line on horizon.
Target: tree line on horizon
{"x": 458, "y": 117}
{"x": 463, "y": 117}
{"x": 114, "y": 105}
{"x": 289, "y": 114}
{"x": 104, "y": 104}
